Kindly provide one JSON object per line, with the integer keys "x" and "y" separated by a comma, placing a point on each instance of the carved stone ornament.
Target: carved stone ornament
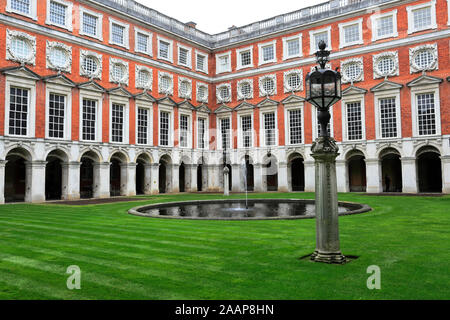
{"x": 262, "y": 91}
{"x": 200, "y": 98}
{"x": 241, "y": 95}
{"x": 290, "y": 73}
{"x": 30, "y": 42}
{"x": 352, "y": 63}
{"x": 327, "y": 66}
{"x": 377, "y": 72}
{"x": 188, "y": 83}
{"x": 169, "y": 90}
{"x": 65, "y": 50}
{"x": 148, "y": 85}
{"x": 416, "y": 51}
{"x": 97, "y": 74}
{"x": 114, "y": 63}
{"x": 324, "y": 145}
{"x": 220, "y": 97}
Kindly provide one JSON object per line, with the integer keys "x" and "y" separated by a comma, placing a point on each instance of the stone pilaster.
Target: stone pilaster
{"x": 2, "y": 180}
{"x": 154, "y": 182}
{"x": 193, "y": 178}
{"x": 409, "y": 175}
{"x": 236, "y": 178}
{"x": 71, "y": 180}
{"x": 325, "y": 151}
{"x": 373, "y": 176}
{"x": 342, "y": 176}
{"x": 101, "y": 179}
{"x": 258, "y": 177}
{"x": 309, "y": 176}
{"x": 283, "y": 184}
{"x": 35, "y": 181}
{"x": 445, "y": 174}
{"x": 128, "y": 179}
{"x": 147, "y": 178}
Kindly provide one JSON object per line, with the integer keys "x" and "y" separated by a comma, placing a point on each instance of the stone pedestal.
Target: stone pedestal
{"x": 226, "y": 187}
{"x": 409, "y": 175}
{"x": 325, "y": 151}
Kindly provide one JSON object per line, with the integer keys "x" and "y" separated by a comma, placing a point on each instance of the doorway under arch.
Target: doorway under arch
{"x": 54, "y": 175}
{"x": 165, "y": 174}
{"x": 16, "y": 182}
{"x": 357, "y": 172}
{"x": 429, "y": 170}
{"x": 87, "y": 177}
{"x": 296, "y": 168}
{"x": 391, "y": 170}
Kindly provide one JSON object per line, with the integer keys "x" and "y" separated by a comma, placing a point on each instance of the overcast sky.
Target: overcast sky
{"x": 215, "y": 16}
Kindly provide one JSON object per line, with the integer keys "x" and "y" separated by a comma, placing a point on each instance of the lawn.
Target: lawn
{"x": 129, "y": 257}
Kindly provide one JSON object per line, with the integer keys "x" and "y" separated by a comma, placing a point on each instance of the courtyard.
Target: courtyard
{"x": 128, "y": 257}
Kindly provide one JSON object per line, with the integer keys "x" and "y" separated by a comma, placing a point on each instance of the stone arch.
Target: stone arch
{"x": 356, "y": 168}
{"x": 248, "y": 173}
{"x": 56, "y": 174}
{"x": 89, "y": 173}
{"x": 296, "y": 171}
{"x": 17, "y": 174}
{"x": 144, "y": 156}
{"x": 202, "y": 173}
{"x": 143, "y": 162}
{"x": 165, "y": 173}
{"x": 91, "y": 153}
{"x": 391, "y": 169}
{"x": 429, "y": 169}
{"x": 119, "y": 155}
{"x": 270, "y": 172}
{"x": 118, "y": 173}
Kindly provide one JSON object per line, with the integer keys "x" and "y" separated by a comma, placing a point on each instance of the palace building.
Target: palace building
{"x": 103, "y": 98}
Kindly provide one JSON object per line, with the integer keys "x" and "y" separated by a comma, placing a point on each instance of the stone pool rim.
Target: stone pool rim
{"x": 358, "y": 209}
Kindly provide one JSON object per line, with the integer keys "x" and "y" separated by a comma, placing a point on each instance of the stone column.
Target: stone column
{"x": 445, "y": 174}
{"x": 409, "y": 175}
{"x": 35, "y": 181}
{"x": 101, "y": 179}
{"x": 283, "y": 184}
{"x": 187, "y": 177}
{"x": 309, "y": 176}
{"x": 2, "y": 180}
{"x": 324, "y": 151}
{"x": 236, "y": 178}
{"x": 173, "y": 177}
{"x": 342, "y": 176}
{"x": 193, "y": 173}
{"x": 212, "y": 178}
{"x": 147, "y": 178}
{"x": 154, "y": 179}
{"x": 226, "y": 187}
{"x": 373, "y": 176}
{"x": 258, "y": 177}
{"x": 71, "y": 180}
{"x": 128, "y": 179}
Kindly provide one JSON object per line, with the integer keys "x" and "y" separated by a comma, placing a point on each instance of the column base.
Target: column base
{"x": 330, "y": 258}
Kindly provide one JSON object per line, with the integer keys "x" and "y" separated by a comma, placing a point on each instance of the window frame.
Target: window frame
{"x": 219, "y": 130}
{"x": 125, "y": 102}
{"x": 218, "y": 57}
{"x": 395, "y": 93}
{"x": 297, "y": 106}
{"x": 51, "y": 88}
{"x": 262, "y": 136}
{"x": 351, "y": 99}
{"x": 433, "y": 88}
{"x": 170, "y": 51}
{"x": 33, "y": 9}
{"x": 201, "y": 115}
{"x": 240, "y": 115}
{"x": 149, "y": 108}
{"x": 286, "y": 55}
{"x": 239, "y": 65}
{"x": 261, "y": 46}
{"x": 149, "y": 41}
{"x": 188, "y": 56}
{"x": 98, "y": 97}
{"x": 342, "y": 40}
{"x": 314, "y": 124}
{"x": 169, "y": 110}
{"x": 99, "y": 32}
{"x": 374, "y": 21}
{"x": 205, "y": 56}
{"x": 410, "y": 9}
{"x": 69, "y": 8}
{"x": 312, "y": 41}
{"x": 189, "y": 130}
{"x": 12, "y": 81}
{"x": 126, "y": 33}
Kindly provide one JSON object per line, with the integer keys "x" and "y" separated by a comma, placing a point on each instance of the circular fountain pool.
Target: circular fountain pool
{"x": 256, "y": 209}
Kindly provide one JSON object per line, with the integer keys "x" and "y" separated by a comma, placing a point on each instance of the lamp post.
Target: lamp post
{"x": 226, "y": 172}
{"x": 323, "y": 89}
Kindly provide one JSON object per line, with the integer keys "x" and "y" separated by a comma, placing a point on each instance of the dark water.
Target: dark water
{"x": 238, "y": 210}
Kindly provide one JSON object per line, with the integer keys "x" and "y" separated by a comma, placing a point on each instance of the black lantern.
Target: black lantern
{"x": 323, "y": 88}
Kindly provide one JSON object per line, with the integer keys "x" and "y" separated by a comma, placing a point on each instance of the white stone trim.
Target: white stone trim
{"x": 33, "y": 9}
{"x": 126, "y": 118}
{"x": 220, "y": 55}
{"x": 239, "y": 60}
{"x": 287, "y": 87}
{"x": 126, "y": 33}
{"x": 188, "y": 58}
{"x": 262, "y": 135}
{"x": 432, "y": 48}
{"x": 198, "y": 85}
{"x": 312, "y": 43}
{"x": 206, "y": 137}
{"x": 162, "y": 74}
{"x": 170, "y": 42}
{"x": 169, "y": 110}
{"x": 98, "y": 29}
{"x": 286, "y": 55}
{"x": 188, "y": 95}
{"x": 346, "y": 63}
{"x": 394, "y": 93}
{"x": 314, "y": 127}
{"x": 350, "y": 99}
{"x": 149, "y": 85}
{"x": 68, "y": 51}
{"x": 240, "y": 94}
{"x": 98, "y": 97}
{"x": 221, "y": 99}
{"x": 272, "y": 43}
{"x": 12, "y": 81}
{"x": 287, "y": 123}
{"x": 149, "y": 107}
{"x": 410, "y": 9}
{"x": 149, "y": 41}
{"x": 241, "y": 114}
{"x": 98, "y": 73}
{"x": 342, "y": 26}
{"x": 376, "y": 59}
{"x": 262, "y": 91}
{"x": 69, "y": 8}
{"x": 30, "y": 40}
{"x": 432, "y": 88}
{"x": 188, "y": 113}
{"x": 62, "y": 90}
{"x": 374, "y": 22}
{"x": 124, "y": 65}
{"x": 198, "y": 53}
